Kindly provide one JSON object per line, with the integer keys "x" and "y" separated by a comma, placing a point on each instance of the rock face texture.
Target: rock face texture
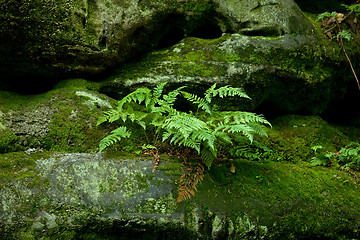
{"x": 268, "y": 47}
{"x": 61, "y": 119}
{"x": 89, "y": 196}
{"x": 59, "y": 38}
{"x": 54, "y": 184}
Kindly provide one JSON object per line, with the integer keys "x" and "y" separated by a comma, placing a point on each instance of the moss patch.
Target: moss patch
{"x": 292, "y": 201}
{"x": 63, "y": 119}
{"x": 292, "y": 137}
{"x": 279, "y": 73}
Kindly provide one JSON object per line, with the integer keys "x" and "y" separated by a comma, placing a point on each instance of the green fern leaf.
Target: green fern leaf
{"x": 208, "y": 156}
{"x": 223, "y": 138}
{"x": 110, "y": 116}
{"x": 205, "y": 136}
{"x": 228, "y": 91}
{"x": 258, "y": 129}
{"x": 201, "y": 103}
{"x": 115, "y": 136}
{"x": 191, "y": 143}
{"x": 158, "y": 90}
{"x": 137, "y": 96}
{"x": 171, "y": 97}
{"x": 209, "y": 93}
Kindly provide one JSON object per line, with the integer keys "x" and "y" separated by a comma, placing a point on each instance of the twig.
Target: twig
{"x": 351, "y": 66}
{"x": 347, "y": 57}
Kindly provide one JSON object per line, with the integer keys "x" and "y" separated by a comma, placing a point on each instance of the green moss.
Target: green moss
{"x": 163, "y": 205}
{"x": 8, "y": 141}
{"x": 170, "y": 168}
{"x": 65, "y": 118}
{"x": 280, "y": 72}
{"x": 76, "y": 84}
{"x": 278, "y": 193}
{"x": 72, "y": 135}
{"x": 293, "y": 136}
{"x": 19, "y": 165}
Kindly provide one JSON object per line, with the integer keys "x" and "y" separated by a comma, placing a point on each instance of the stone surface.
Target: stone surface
{"x": 82, "y": 196}
{"x": 53, "y": 184}
{"x": 59, "y": 39}
{"x": 268, "y": 47}
{"x": 62, "y": 117}
{"x": 284, "y": 74}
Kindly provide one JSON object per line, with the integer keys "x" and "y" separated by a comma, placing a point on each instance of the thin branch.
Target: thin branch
{"x": 347, "y": 57}
{"x": 352, "y": 69}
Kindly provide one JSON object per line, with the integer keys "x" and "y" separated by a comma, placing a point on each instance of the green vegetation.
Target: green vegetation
{"x": 347, "y": 158}
{"x": 354, "y": 8}
{"x": 339, "y": 26}
{"x": 205, "y": 131}
{"x": 292, "y": 201}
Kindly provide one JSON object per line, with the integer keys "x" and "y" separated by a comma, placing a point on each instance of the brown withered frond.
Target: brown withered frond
{"x": 188, "y": 181}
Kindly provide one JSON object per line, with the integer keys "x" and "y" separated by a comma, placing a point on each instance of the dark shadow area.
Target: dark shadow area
{"x": 28, "y": 85}
{"x": 207, "y": 30}
{"x": 265, "y": 32}
{"x": 171, "y": 31}
{"x": 345, "y": 111}
{"x": 131, "y": 230}
{"x": 321, "y": 5}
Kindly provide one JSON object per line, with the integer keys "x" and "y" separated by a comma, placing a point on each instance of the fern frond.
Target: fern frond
{"x": 171, "y": 97}
{"x": 258, "y": 129}
{"x": 188, "y": 181}
{"x": 227, "y": 91}
{"x": 239, "y": 117}
{"x": 238, "y": 128}
{"x": 201, "y": 102}
{"x": 158, "y": 90}
{"x": 205, "y": 136}
{"x": 223, "y": 138}
{"x": 115, "y": 136}
{"x": 209, "y": 93}
{"x": 178, "y": 139}
{"x": 164, "y": 108}
{"x": 108, "y": 116}
{"x": 137, "y": 96}
{"x": 208, "y": 156}
{"x": 193, "y": 144}
{"x": 184, "y": 123}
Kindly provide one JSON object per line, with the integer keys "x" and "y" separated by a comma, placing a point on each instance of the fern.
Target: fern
{"x": 188, "y": 181}
{"x": 138, "y": 96}
{"x": 202, "y": 103}
{"x": 109, "y": 116}
{"x": 115, "y": 136}
{"x": 228, "y": 91}
{"x": 204, "y": 131}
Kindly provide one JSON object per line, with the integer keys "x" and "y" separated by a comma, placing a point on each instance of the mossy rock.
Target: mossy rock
{"x": 286, "y": 74}
{"x": 293, "y": 137}
{"x": 88, "y": 195}
{"x": 90, "y": 38}
{"x": 63, "y": 119}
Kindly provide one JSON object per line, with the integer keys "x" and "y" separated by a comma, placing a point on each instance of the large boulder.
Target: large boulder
{"x": 63, "y": 38}
{"x": 89, "y": 196}
{"x": 63, "y": 119}
{"x": 268, "y": 47}
{"x": 47, "y": 192}
{"x": 283, "y": 74}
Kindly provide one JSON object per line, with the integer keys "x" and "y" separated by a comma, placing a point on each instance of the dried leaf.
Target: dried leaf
{"x": 339, "y": 17}
{"x": 232, "y": 168}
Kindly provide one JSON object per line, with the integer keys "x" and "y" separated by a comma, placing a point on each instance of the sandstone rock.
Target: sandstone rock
{"x": 82, "y": 196}
{"x": 63, "y": 117}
